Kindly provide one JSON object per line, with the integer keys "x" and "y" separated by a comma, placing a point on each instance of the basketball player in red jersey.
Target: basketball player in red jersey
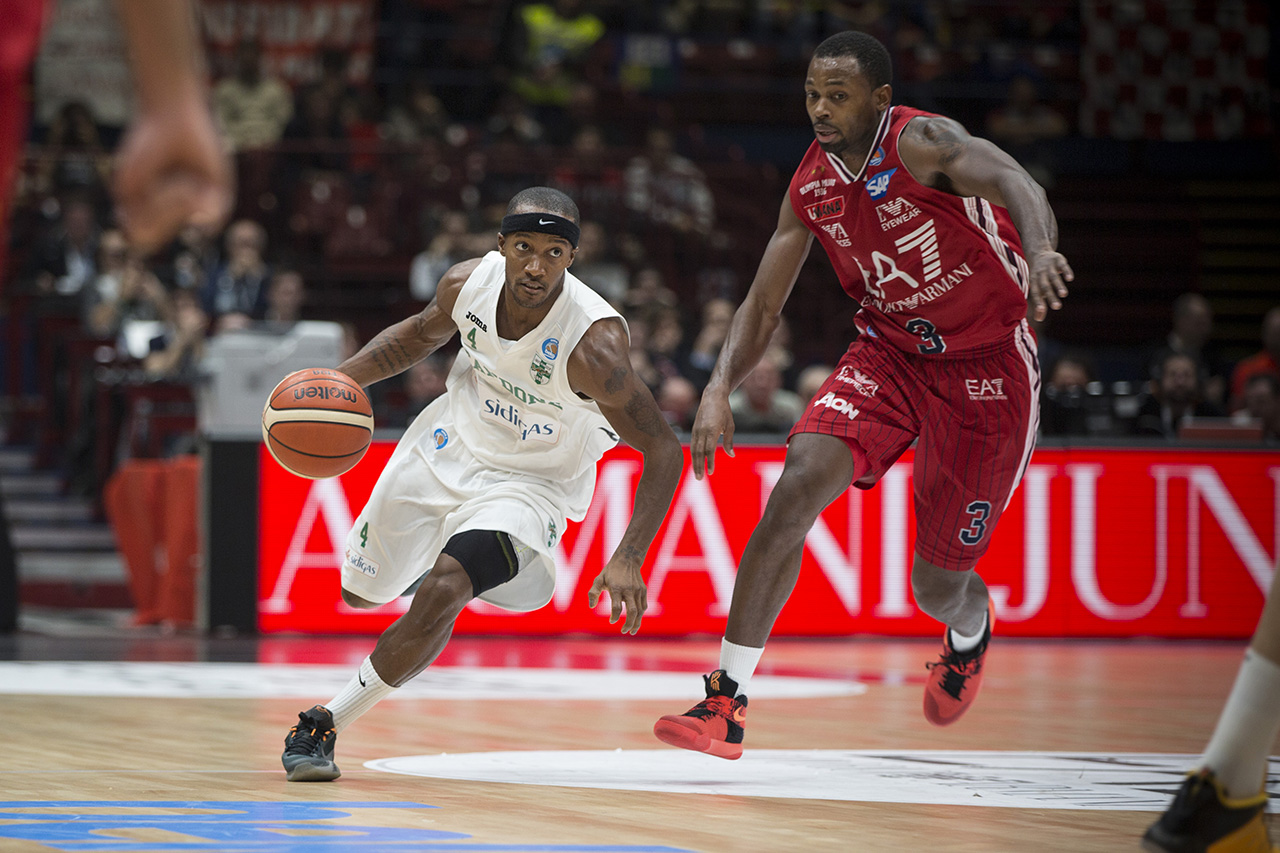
{"x": 170, "y": 168}
{"x": 940, "y": 238}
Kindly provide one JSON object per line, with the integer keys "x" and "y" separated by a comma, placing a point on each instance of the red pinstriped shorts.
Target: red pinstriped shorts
{"x": 973, "y": 417}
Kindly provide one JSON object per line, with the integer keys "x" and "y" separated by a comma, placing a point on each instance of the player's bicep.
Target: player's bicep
{"x": 600, "y": 368}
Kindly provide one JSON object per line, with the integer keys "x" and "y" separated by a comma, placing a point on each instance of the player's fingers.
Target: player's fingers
{"x": 728, "y": 438}
{"x": 634, "y": 614}
{"x": 616, "y": 613}
{"x": 152, "y": 215}
{"x": 1064, "y": 269}
{"x": 593, "y": 594}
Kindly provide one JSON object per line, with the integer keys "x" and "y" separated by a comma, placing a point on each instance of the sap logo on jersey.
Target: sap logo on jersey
{"x": 839, "y": 404}
{"x": 362, "y": 563}
{"x": 864, "y": 385}
{"x": 821, "y": 210}
{"x": 985, "y": 389}
{"x": 878, "y": 185}
{"x": 837, "y": 232}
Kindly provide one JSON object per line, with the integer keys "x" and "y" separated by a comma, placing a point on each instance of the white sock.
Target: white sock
{"x": 1246, "y": 730}
{"x": 739, "y": 663}
{"x": 362, "y": 692}
{"x": 961, "y": 643}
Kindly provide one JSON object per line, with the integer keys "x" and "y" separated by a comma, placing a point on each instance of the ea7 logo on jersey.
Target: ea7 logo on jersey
{"x": 821, "y": 210}
{"x": 894, "y": 213}
{"x": 878, "y": 185}
{"x": 864, "y": 385}
{"x": 837, "y": 232}
{"x": 985, "y": 389}
{"x": 839, "y": 404}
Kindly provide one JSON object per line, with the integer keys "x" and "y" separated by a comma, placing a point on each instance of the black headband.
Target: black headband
{"x": 541, "y": 223}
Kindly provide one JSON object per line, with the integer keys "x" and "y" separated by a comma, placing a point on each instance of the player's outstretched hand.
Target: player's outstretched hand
{"x": 1050, "y": 273}
{"x": 625, "y": 585}
{"x": 714, "y": 419}
{"x": 171, "y": 171}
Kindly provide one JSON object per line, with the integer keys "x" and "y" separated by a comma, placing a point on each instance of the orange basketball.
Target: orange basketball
{"x": 317, "y": 423}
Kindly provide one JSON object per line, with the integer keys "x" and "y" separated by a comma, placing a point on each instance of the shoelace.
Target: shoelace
{"x": 304, "y": 744}
{"x": 712, "y": 706}
{"x": 958, "y": 672}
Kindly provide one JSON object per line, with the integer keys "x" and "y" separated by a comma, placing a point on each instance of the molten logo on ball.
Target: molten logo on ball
{"x": 325, "y": 392}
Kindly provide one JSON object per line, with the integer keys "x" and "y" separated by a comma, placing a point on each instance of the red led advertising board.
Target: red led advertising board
{"x": 1096, "y": 543}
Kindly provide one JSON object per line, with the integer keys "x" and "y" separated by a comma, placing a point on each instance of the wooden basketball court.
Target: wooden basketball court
{"x": 147, "y": 743}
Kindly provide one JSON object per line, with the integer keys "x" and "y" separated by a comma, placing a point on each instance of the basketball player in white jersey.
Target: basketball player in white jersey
{"x": 477, "y": 492}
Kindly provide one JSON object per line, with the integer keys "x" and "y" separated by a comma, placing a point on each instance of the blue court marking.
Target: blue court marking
{"x": 249, "y": 827}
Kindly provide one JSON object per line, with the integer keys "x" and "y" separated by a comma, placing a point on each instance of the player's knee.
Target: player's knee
{"x": 353, "y": 600}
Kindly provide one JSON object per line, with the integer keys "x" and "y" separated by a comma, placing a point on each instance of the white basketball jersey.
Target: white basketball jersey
{"x": 510, "y": 401}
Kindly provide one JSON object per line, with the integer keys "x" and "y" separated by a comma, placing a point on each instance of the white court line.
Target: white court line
{"x": 1028, "y": 780}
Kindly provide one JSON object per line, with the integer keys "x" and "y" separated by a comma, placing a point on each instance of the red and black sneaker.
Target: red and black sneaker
{"x": 714, "y": 725}
{"x": 954, "y": 678}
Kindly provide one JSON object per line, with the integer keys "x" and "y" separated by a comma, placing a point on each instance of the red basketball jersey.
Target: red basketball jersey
{"x": 933, "y": 272}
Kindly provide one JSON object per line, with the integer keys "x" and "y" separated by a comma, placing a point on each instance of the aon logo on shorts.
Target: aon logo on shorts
{"x": 839, "y": 404}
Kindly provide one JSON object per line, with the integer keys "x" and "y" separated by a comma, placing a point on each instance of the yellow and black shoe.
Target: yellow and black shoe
{"x": 1202, "y": 819}
{"x": 308, "y": 748}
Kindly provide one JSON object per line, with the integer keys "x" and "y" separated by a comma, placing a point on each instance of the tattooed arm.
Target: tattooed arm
{"x": 600, "y": 368}
{"x": 399, "y": 347}
{"x": 941, "y": 154}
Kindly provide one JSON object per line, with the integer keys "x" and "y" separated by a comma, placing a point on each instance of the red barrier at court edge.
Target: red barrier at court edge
{"x": 1095, "y": 543}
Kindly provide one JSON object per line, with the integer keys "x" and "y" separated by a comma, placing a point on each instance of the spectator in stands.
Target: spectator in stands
{"x": 315, "y": 133}
{"x": 761, "y": 404}
{"x": 176, "y": 352}
{"x": 65, "y": 261}
{"x": 589, "y": 175}
{"x": 638, "y": 330}
{"x": 1063, "y": 409}
{"x": 717, "y": 315}
{"x": 554, "y": 41}
{"x": 418, "y": 117}
{"x": 648, "y": 288}
{"x": 453, "y": 242}
{"x": 678, "y": 400}
{"x": 236, "y": 291}
{"x": 596, "y": 265}
{"x": 1262, "y": 405}
{"x": 286, "y": 296}
{"x": 1265, "y": 361}
{"x": 667, "y": 190}
{"x": 1024, "y": 121}
{"x": 123, "y": 292}
{"x": 1176, "y": 397}
{"x": 194, "y": 258}
{"x": 73, "y": 158}
{"x": 513, "y": 121}
{"x": 1190, "y": 335}
{"x": 666, "y": 340}
{"x": 811, "y": 379}
{"x": 251, "y": 108}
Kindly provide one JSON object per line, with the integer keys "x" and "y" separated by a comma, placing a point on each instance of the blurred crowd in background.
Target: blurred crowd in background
{"x": 366, "y": 171}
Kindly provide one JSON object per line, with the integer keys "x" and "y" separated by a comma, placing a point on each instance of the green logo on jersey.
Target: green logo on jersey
{"x": 551, "y": 534}
{"x": 540, "y": 370}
